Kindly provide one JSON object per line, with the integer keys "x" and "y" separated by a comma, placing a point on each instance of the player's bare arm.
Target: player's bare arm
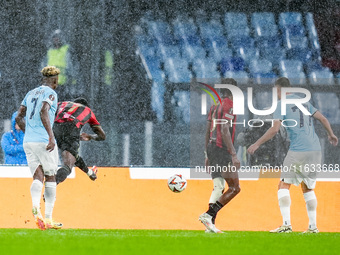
{"x": 325, "y": 123}
{"x": 47, "y": 125}
{"x": 271, "y": 132}
{"x": 99, "y": 134}
{"x": 228, "y": 141}
{"x": 20, "y": 118}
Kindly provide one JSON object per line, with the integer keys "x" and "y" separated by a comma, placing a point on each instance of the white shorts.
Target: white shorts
{"x": 298, "y": 167}
{"x": 37, "y": 154}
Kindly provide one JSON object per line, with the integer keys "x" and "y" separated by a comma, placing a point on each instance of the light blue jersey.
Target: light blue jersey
{"x": 302, "y": 136}
{"x": 35, "y": 130}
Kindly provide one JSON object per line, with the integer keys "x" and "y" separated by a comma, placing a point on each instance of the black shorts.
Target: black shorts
{"x": 67, "y": 136}
{"x": 219, "y": 158}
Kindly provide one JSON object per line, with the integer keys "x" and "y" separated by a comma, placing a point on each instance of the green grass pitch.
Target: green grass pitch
{"x": 145, "y": 242}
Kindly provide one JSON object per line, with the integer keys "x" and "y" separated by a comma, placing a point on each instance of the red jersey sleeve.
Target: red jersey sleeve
{"x": 227, "y": 107}
{"x": 93, "y": 120}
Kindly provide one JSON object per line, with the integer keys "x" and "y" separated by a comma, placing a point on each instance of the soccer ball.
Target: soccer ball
{"x": 177, "y": 183}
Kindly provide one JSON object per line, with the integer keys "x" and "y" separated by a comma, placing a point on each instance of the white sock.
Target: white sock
{"x": 36, "y": 189}
{"x": 311, "y": 204}
{"x": 217, "y": 192}
{"x": 90, "y": 172}
{"x": 284, "y": 203}
{"x": 50, "y": 196}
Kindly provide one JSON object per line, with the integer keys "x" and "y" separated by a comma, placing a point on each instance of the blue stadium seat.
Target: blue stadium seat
{"x": 211, "y": 30}
{"x": 147, "y": 50}
{"x": 242, "y": 41}
{"x": 295, "y": 42}
{"x": 247, "y": 54}
{"x": 315, "y": 45}
{"x": 295, "y": 77}
{"x": 290, "y": 66}
{"x": 189, "y": 41}
{"x": 241, "y": 76}
{"x": 177, "y": 64}
{"x": 302, "y": 54}
{"x": 321, "y": 77}
{"x": 157, "y": 75}
{"x": 218, "y": 53}
{"x": 159, "y": 29}
{"x": 312, "y": 66}
{"x": 290, "y": 18}
{"x": 274, "y": 55}
{"x": 269, "y": 42}
{"x": 294, "y": 30}
{"x": 193, "y": 52}
{"x": 236, "y": 24}
{"x": 261, "y": 66}
{"x": 232, "y": 64}
{"x": 205, "y": 68}
{"x": 179, "y": 76}
{"x": 235, "y": 20}
{"x": 184, "y": 29}
{"x": 236, "y": 33}
{"x": 312, "y": 33}
{"x": 328, "y": 104}
{"x": 211, "y": 43}
{"x": 264, "y": 24}
{"x": 152, "y": 62}
{"x": 168, "y": 51}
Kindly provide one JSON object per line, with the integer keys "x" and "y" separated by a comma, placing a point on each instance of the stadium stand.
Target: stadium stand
{"x": 256, "y": 48}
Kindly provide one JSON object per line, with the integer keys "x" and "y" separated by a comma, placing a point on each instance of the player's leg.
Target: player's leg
{"x": 36, "y": 190}
{"x": 68, "y": 162}
{"x": 49, "y": 162}
{"x": 219, "y": 184}
{"x": 91, "y": 173}
{"x": 37, "y": 184}
{"x": 288, "y": 177}
{"x": 233, "y": 189}
{"x": 213, "y": 155}
{"x": 283, "y": 196}
{"x": 311, "y": 204}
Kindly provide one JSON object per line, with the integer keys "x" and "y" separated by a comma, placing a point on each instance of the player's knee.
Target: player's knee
{"x": 218, "y": 185}
{"x": 236, "y": 189}
{"x": 62, "y": 174}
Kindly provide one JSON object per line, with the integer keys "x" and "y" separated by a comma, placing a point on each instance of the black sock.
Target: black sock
{"x": 214, "y": 217}
{"x": 81, "y": 164}
{"x": 214, "y": 208}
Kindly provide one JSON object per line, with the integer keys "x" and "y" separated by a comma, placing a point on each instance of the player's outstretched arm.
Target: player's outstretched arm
{"x": 20, "y": 118}
{"x": 99, "y": 134}
{"x": 271, "y": 132}
{"x": 325, "y": 123}
{"x": 47, "y": 125}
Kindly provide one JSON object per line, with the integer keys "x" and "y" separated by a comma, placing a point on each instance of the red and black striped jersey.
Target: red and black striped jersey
{"x": 225, "y": 112}
{"x": 80, "y": 114}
